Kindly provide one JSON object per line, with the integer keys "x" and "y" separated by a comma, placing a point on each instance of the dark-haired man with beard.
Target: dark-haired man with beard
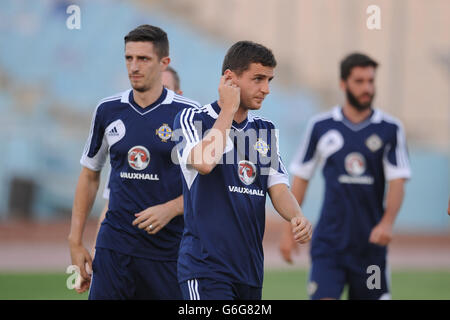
{"x": 359, "y": 149}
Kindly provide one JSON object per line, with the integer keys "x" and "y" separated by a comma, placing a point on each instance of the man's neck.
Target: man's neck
{"x": 355, "y": 115}
{"x": 240, "y": 115}
{"x": 146, "y": 98}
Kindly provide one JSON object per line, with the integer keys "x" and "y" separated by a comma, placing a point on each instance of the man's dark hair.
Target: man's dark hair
{"x": 243, "y": 53}
{"x": 152, "y": 34}
{"x": 175, "y": 77}
{"x": 355, "y": 60}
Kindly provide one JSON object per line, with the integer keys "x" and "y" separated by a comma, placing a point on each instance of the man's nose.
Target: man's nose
{"x": 134, "y": 66}
{"x": 368, "y": 87}
{"x": 265, "y": 88}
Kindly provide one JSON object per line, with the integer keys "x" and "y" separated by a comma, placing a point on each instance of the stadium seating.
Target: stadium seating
{"x": 69, "y": 71}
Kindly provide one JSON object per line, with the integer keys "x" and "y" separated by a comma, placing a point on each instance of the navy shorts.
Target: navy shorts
{"x": 118, "y": 276}
{"x": 367, "y": 277}
{"x": 209, "y": 289}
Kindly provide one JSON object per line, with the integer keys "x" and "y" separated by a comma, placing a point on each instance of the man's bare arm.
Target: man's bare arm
{"x": 207, "y": 153}
{"x": 85, "y": 193}
{"x": 382, "y": 233}
{"x": 287, "y": 242}
{"x": 287, "y": 206}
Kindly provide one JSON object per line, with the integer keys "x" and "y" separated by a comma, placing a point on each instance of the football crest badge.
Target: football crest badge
{"x": 262, "y": 147}
{"x": 374, "y": 142}
{"x": 164, "y": 132}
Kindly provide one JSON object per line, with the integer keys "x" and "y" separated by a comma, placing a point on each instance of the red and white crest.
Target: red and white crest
{"x": 246, "y": 172}
{"x": 138, "y": 157}
{"x": 355, "y": 164}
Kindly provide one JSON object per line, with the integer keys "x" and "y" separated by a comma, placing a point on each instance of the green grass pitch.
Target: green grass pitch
{"x": 278, "y": 285}
{"x": 405, "y": 285}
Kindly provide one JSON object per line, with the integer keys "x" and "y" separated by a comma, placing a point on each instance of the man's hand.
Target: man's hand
{"x": 156, "y": 217}
{"x": 230, "y": 95}
{"x": 287, "y": 243}
{"x": 298, "y": 228}
{"x": 381, "y": 234}
{"x": 82, "y": 259}
{"x": 205, "y": 155}
{"x": 302, "y": 229}
{"x": 87, "y": 187}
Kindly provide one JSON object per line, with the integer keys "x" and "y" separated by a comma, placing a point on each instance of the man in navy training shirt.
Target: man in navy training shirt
{"x": 171, "y": 81}
{"x": 230, "y": 162}
{"x": 135, "y": 255}
{"x": 359, "y": 148}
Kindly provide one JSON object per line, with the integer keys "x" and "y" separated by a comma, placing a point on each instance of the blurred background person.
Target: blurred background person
{"x": 360, "y": 149}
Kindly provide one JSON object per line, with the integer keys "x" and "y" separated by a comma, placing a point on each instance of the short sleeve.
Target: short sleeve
{"x": 96, "y": 148}
{"x": 278, "y": 173}
{"x": 187, "y": 123}
{"x": 395, "y": 159}
{"x": 188, "y": 126}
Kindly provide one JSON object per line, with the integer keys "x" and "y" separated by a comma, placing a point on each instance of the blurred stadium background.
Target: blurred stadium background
{"x": 51, "y": 79}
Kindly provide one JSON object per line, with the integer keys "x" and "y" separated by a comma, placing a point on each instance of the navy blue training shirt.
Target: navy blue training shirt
{"x": 142, "y": 171}
{"x": 356, "y": 161}
{"x": 224, "y": 211}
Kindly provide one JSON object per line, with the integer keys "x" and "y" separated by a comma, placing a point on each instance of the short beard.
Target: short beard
{"x": 355, "y": 103}
{"x": 141, "y": 89}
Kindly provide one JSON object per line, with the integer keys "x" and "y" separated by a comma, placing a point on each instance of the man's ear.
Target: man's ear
{"x": 343, "y": 85}
{"x": 230, "y": 75}
{"x": 164, "y": 62}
